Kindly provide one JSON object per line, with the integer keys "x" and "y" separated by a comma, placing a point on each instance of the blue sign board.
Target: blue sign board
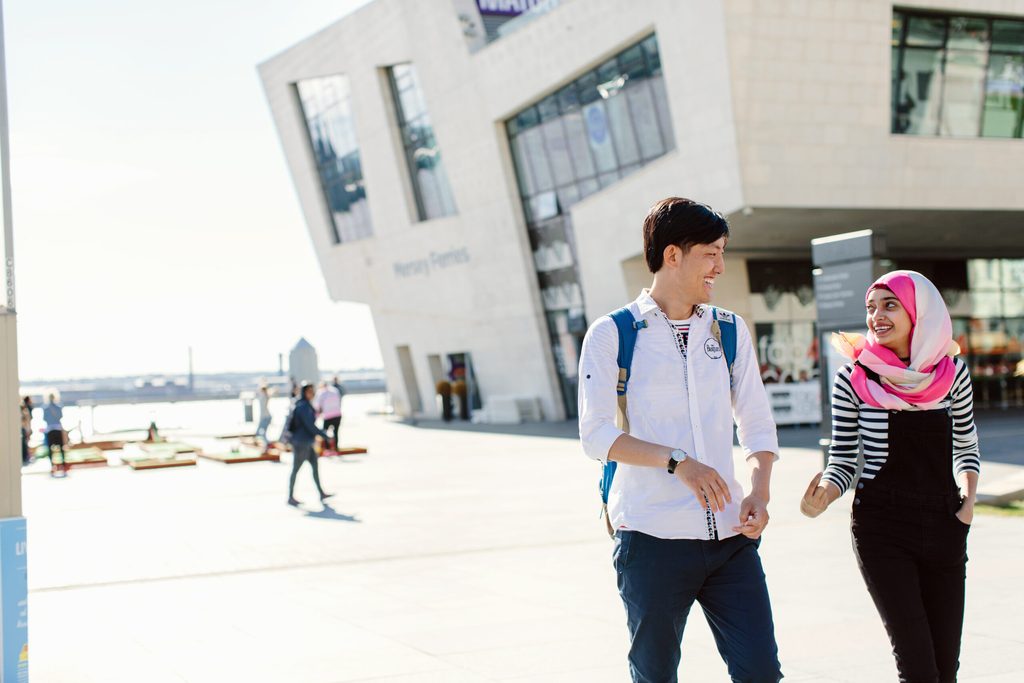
{"x": 13, "y": 601}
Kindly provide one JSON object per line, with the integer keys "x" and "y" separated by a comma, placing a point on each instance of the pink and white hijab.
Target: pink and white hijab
{"x": 925, "y": 381}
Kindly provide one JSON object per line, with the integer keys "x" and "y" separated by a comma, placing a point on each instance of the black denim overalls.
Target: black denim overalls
{"x": 912, "y": 549}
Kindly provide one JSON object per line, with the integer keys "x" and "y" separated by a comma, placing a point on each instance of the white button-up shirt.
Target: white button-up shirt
{"x": 689, "y": 407}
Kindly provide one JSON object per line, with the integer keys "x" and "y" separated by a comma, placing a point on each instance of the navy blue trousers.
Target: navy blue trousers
{"x": 659, "y": 580}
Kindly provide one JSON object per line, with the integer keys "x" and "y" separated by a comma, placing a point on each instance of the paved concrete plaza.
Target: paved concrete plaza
{"x": 447, "y": 556}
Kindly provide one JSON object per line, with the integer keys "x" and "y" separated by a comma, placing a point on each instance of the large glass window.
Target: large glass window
{"x": 955, "y": 75}
{"x": 327, "y": 106}
{"x": 430, "y": 185}
{"x": 589, "y": 134}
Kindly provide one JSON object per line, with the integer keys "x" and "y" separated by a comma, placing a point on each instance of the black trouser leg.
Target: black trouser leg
{"x": 298, "y": 455}
{"x": 942, "y": 587}
{"x": 895, "y": 587}
{"x": 315, "y": 464}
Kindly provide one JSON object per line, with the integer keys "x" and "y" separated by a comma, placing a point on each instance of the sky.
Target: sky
{"x": 152, "y": 206}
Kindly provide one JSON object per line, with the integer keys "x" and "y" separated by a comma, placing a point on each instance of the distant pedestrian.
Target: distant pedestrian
{"x": 336, "y": 383}
{"x": 261, "y": 431}
{"x": 328, "y": 407}
{"x": 26, "y": 429}
{"x": 302, "y": 425}
{"x": 52, "y": 415}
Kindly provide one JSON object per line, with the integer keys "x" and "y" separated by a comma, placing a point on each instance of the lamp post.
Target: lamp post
{"x": 13, "y": 547}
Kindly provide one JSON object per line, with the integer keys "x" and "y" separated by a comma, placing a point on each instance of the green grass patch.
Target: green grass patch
{"x": 1014, "y": 509}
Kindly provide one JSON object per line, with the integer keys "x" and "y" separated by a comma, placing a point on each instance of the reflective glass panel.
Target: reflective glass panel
{"x": 962, "y": 93}
{"x": 917, "y": 106}
{"x": 1004, "y": 96}
{"x": 930, "y": 31}
{"x": 1008, "y": 36}
{"x": 968, "y": 33}
{"x": 586, "y": 136}
{"x": 326, "y": 105}
{"x": 431, "y": 189}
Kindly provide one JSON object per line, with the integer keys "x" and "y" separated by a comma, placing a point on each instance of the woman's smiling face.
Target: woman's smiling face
{"x": 889, "y": 321}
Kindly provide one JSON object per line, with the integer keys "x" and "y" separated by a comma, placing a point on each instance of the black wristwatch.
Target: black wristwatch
{"x": 674, "y": 458}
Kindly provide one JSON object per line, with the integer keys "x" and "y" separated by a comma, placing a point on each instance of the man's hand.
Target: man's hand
{"x": 707, "y": 485}
{"x": 753, "y": 516}
{"x": 818, "y": 497}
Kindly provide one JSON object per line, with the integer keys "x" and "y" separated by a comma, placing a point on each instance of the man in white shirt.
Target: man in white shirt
{"x": 683, "y": 529}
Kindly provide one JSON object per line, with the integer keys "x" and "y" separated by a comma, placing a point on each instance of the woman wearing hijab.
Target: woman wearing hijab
{"x": 908, "y": 399}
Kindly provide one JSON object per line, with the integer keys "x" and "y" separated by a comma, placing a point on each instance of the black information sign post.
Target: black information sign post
{"x": 844, "y": 267}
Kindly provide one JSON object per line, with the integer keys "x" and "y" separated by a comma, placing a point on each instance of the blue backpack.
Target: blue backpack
{"x": 723, "y": 329}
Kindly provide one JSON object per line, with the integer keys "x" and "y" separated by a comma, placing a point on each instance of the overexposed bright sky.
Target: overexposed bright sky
{"x": 153, "y": 210}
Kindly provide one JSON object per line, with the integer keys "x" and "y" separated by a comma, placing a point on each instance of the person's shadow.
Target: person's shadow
{"x": 330, "y": 513}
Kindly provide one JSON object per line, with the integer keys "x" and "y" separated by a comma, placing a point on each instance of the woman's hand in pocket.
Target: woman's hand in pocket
{"x": 966, "y": 512}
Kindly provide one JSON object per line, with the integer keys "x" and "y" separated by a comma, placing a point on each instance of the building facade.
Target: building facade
{"x": 477, "y": 172}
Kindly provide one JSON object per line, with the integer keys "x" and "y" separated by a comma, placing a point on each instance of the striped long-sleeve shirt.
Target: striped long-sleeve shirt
{"x": 853, "y": 421}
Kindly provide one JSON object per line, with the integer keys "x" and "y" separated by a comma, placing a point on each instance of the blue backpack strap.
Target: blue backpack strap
{"x": 628, "y": 327}
{"x": 726, "y": 324}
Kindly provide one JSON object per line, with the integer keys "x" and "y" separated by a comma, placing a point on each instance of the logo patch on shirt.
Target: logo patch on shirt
{"x": 713, "y": 349}
{"x": 725, "y": 316}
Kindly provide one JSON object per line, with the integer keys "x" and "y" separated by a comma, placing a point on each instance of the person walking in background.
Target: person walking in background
{"x": 302, "y": 425}
{"x": 328, "y": 406}
{"x": 52, "y": 415}
{"x": 907, "y": 399}
{"x": 263, "y": 395}
{"x": 26, "y": 429}
{"x": 336, "y": 383}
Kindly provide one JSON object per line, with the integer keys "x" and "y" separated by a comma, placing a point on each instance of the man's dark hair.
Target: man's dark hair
{"x": 682, "y": 222}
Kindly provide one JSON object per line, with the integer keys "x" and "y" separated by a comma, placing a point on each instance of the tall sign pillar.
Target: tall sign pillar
{"x": 13, "y": 548}
{"x": 844, "y": 267}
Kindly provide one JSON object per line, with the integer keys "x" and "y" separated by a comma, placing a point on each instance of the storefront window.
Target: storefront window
{"x": 782, "y": 304}
{"x": 588, "y": 135}
{"x": 956, "y": 75}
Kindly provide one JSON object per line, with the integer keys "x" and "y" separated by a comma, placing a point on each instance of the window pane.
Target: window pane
{"x": 926, "y": 31}
{"x": 621, "y": 123}
{"x": 548, "y": 108}
{"x": 1012, "y": 273}
{"x": 664, "y": 115}
{"x": 332, "y": 136}
{"x": 526, "y": 185}
{"x": 579, "y": 147}
{"x": 1008, "y": 36}
{"x": 537, "y": 157}
{"x": 641, "y": 105}
{"x": 962, "y": 94}
{"x": 897, "y": 27}
{"x": 598, "y": 135}
{"x": 558, "y": 152}
{"x": 432, "y": 191}
{"x": 650, "y": 47}
{"x": 918, "y": 96}
{"x": 1004, "y": 94}
{"x": 968, "y": 33}
{"x": 984, "y": 275}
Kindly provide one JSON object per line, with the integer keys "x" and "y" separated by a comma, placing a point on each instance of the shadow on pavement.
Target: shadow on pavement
{"x": 330, "y": 513}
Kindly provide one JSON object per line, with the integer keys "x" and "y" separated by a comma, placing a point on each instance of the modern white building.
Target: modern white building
{"x": 477, "y": 171}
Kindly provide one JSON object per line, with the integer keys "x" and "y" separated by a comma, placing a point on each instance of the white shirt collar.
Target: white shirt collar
{"x": 646, "y": 305}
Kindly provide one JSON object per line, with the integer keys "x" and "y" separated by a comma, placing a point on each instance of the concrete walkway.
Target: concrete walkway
{"x": 448, "y": 556}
